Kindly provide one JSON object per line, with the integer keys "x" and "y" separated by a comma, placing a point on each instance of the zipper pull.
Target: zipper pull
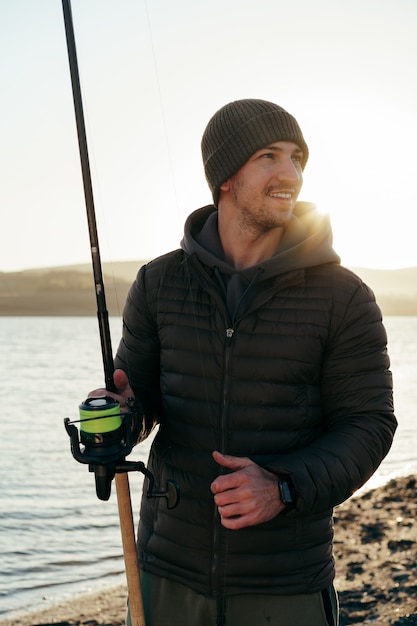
{"x": 229, "y": 333}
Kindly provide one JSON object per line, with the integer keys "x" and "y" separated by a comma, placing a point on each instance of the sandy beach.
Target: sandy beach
{"x": 376, "y": 558}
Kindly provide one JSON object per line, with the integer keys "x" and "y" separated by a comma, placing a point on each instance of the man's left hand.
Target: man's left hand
{"x": 246, "y": 496}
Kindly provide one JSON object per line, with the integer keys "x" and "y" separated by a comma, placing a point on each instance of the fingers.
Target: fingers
{"x": 121, "y": 382}
{"x": 233, "y": 479}
{"x": 124, "y": 390}
{"x": 231, "y": 462}
{"x": 99, "y": 393}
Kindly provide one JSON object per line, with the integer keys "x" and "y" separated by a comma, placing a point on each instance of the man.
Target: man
{"x": 264, "y": 363}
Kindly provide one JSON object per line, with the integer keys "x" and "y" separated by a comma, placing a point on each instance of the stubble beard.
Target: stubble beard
{"x": 255, "y": 218}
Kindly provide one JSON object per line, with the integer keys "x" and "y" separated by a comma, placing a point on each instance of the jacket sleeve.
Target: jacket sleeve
{"x": 138, "y": 353}
{"x": 359, "y": 421}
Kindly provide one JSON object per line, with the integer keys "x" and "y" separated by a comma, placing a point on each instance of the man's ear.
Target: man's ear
{"x": 225, "y": 186}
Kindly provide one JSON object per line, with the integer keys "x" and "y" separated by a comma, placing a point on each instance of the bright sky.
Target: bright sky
{"x": 154, "y": 71}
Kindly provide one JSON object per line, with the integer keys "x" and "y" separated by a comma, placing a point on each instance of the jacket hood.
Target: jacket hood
{"x": 307, "y": 241}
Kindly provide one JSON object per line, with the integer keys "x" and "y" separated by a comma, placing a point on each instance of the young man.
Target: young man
{"x": 264, "y": 363}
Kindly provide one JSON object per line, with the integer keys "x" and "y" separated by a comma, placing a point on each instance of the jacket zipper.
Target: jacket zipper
{"x": 223, "y": 449}
{"x": 226, "y": 381}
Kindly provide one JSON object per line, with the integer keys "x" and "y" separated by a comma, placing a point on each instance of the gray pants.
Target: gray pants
{"x": 167, "y": 603}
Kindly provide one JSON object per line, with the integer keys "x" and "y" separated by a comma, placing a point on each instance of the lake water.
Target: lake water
{"x": 56, "y": 537}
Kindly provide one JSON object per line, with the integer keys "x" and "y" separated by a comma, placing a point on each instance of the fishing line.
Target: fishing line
{"x": 170, "y": 161}
{"x": 163, "y": 116}
{"x": 174, "y": 187}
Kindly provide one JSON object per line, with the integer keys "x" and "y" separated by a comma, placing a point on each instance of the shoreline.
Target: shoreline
{"x": 106, "y": 606}
{"x": 375, "y": 551}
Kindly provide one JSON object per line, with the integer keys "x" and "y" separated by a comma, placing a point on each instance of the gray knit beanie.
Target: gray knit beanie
{"x": 237, "y": 131}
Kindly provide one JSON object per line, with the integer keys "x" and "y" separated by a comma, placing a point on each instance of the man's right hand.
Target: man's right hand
{"x": 124, "y": 390}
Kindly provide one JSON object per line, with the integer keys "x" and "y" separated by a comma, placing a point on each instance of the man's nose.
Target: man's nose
{"x": 288, "y": 170}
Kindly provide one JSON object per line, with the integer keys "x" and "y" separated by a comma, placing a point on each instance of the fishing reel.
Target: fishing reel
{"x": 106, "y": 437}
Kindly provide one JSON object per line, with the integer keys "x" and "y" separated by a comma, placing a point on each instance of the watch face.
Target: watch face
{"x": 286, "y": 495}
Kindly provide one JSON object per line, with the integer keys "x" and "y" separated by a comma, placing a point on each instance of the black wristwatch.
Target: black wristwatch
{"x": 287, "y": 493}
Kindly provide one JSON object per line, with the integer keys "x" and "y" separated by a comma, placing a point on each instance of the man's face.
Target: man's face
{"x": 265, "y": 189}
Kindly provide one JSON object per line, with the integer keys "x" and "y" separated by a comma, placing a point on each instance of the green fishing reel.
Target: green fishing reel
{"x": 101, "y": 427}
{"x": 105, "y": 438}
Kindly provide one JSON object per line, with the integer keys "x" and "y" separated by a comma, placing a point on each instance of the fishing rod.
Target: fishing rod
{"x": 102, "y": 313}
{"x": 107, "y": 435}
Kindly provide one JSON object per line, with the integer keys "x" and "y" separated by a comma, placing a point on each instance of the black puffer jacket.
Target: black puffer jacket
{"x": 285, "y": 363}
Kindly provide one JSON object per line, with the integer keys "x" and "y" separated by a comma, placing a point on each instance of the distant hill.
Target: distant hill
{"x": 395, "y": 290}
{"x": 66, "y": 291}
{"x": 69, "y": 290}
